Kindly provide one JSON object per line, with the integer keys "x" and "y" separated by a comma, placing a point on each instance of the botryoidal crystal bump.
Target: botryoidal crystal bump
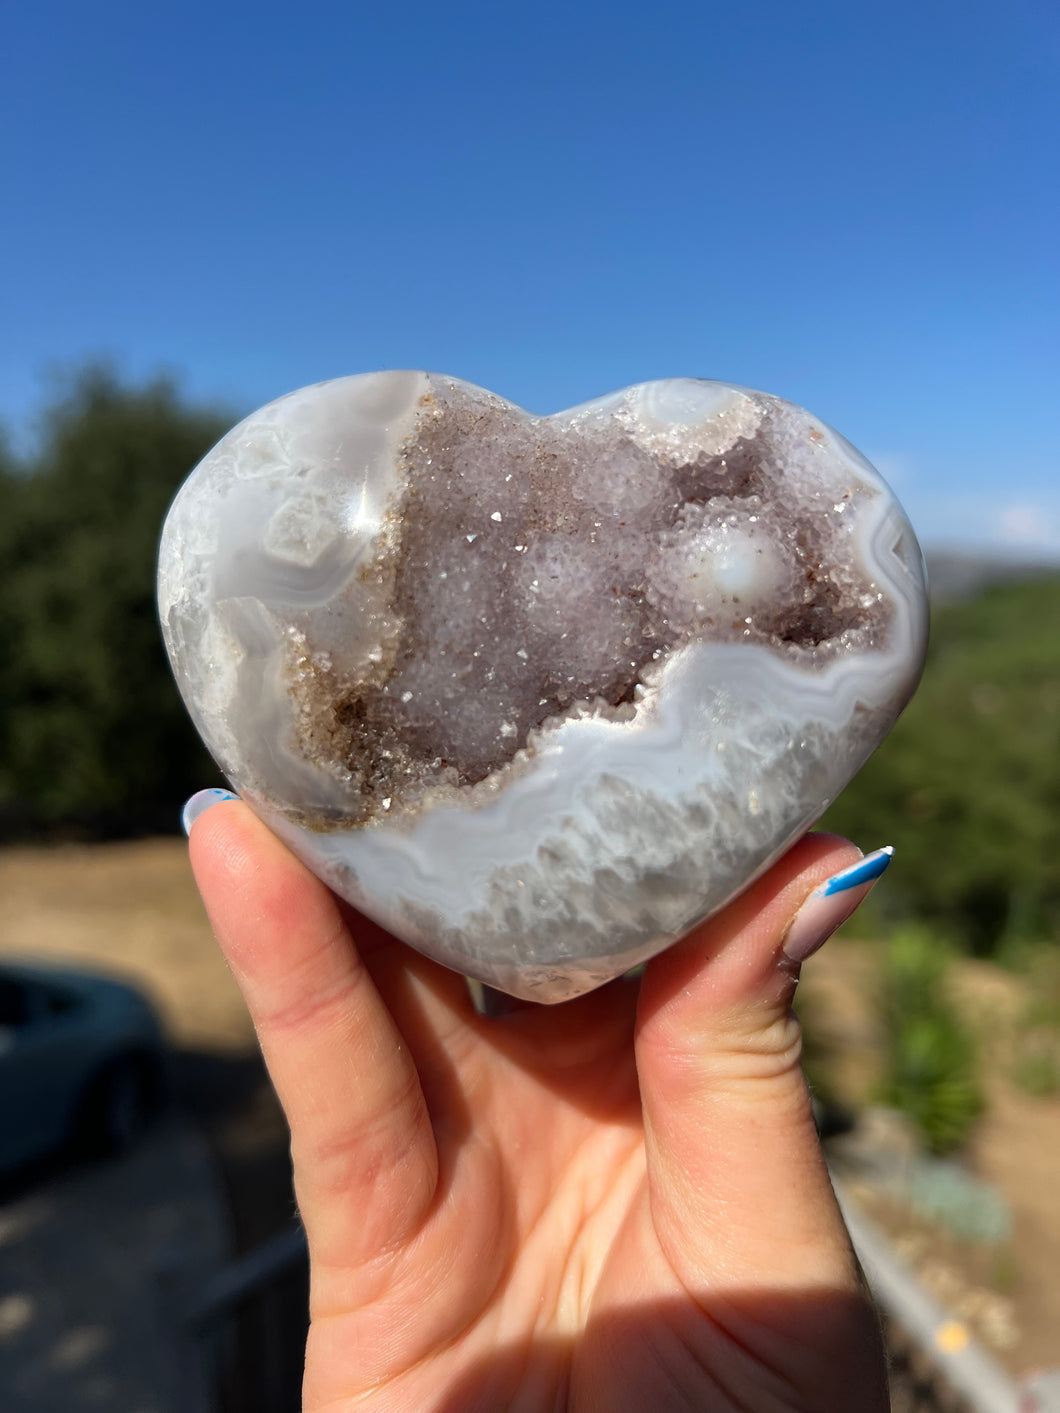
{"x": 538, "y": 694}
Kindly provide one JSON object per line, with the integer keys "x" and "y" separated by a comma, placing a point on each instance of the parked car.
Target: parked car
{"x": 81, "y": 1060}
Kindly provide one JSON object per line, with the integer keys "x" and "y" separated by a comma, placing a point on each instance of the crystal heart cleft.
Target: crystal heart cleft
{"x": 538, "y": 694}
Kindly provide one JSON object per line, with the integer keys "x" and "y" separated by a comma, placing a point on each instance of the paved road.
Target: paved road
{"x": 80, "y": 1327}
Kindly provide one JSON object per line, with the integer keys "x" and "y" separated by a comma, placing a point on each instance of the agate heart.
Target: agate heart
{"x": 538, "y": 694}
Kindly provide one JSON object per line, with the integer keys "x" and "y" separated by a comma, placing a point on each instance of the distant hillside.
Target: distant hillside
{"x": 958, "y": 574}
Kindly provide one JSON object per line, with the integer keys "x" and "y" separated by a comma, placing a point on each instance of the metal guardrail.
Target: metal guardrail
{"x": 944, "y": 1346}
{"x": 239, "y": 1340}
{"x": 245, "y": 1277}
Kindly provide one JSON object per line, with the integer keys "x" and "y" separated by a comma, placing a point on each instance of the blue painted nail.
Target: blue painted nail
{"x": 831, "y": 904}
{"x": 866, "y": 870}
{"x": 200, "y": 803}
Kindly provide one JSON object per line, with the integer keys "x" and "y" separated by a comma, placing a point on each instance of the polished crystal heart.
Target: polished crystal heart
{"x": 539, "y": 694}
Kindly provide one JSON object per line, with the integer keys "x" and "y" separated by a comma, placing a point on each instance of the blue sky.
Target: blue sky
{"x": 855, "y": 206}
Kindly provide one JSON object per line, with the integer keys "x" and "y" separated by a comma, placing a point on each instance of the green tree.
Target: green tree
{"x": 91, "y": 726}
{"x": 9, "y": 488}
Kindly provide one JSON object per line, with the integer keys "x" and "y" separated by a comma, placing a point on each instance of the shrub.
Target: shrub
{"x": 930, "y": 1055}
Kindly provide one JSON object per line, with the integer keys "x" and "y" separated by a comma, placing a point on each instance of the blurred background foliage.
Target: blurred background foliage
{"x": 93, "y": 737}
{"x": 930, "y": 1055}
{"x": 967, "y": 786}
{"x": 95, "y": 743}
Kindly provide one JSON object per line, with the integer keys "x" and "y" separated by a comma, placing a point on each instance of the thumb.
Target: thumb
{"x": 733, "y": 1158}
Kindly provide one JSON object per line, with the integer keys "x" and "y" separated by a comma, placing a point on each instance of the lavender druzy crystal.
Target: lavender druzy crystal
{"x": 538, "y": 694}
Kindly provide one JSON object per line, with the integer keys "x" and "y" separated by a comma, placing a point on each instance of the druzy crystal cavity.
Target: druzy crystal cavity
{"x": 538, "y": 694}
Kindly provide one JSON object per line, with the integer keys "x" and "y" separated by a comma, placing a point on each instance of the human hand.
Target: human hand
{"x": 618, "y": 1203}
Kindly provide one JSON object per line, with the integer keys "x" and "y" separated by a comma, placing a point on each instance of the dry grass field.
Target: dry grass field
{"x": 132, "y": 910}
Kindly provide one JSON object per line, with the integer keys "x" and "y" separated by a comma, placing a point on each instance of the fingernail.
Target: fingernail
{"x": 832, "y": 903}
{"x": 200, "y": 803}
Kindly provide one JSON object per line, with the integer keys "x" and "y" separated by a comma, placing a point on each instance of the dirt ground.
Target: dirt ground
{"x": 132, "y": 910}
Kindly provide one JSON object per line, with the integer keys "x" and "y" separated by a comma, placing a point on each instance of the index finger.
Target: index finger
{"x": 346, "y": 1079}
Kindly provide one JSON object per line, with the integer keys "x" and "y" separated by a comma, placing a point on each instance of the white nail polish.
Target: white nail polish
{"x": 200, "y": 803}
